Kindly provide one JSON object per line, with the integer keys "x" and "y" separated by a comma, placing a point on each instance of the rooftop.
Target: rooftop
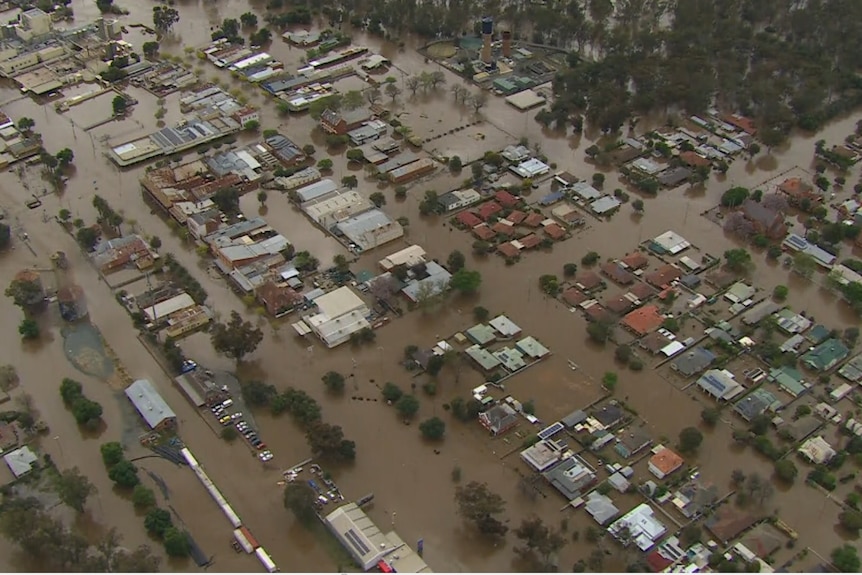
{"x": 826, "y": 355}
{"x": 694, "y": 361}
{"x": 542, "y": 454}
{"x": 644, "y": 319}
{"x": 641, "y": 527}
{"x": 571, "y": 477}
{"x": 21, "y": 461}
{"x": 720, "y": 384}
{"x": 481, "y": 334}
{"x": 149, "y": 403}
{"x": 504, "y": 326}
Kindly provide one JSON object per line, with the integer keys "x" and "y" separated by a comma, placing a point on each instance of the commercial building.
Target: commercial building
{"x": 340, "y": 314}
{"x": 412, "y": 171}
{"x": 639, "y": 526}
{"x": 201, "y": 389}
{"x": 408, "y": 257}
{"x": 156, "y": 412}
{"x": 336, "y": 207}
{"x": 163, "y": 309}
{"x": 370, "y": 229}
{"x": 525, "y": 100}
{"x": 368, "y": 546}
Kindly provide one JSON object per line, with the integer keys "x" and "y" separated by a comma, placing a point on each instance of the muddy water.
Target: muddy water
{"x": 394, "y": 463}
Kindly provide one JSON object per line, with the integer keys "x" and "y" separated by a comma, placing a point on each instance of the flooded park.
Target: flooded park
{"x": 410, "y": 477}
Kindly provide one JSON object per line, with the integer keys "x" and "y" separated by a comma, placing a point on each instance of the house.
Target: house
{"x": 609, "y": 415}
{"x": 156, "y": 412}
{"x": 757, "y": 403}
{"x": 619, "y": 304}
{"x": 499, "y": 419}
{"x": 643, "y": 320}
{"x": 506, "y": 199}
{"x": 489, "y": 209}
{"x": 601, "y": 508}
{"x": 605, "y": 205}
{"x": 72, "y": 302}
{"x": 457, "y": 199}
{"x": 852, "y": 370}
{"x": 484, "y": 233}
{"x": 654, "y": 342}
{"x": 798, "y": 191}
{"x": 665, "y": 555}
{"x": 503, "y": 228}
{"x": 586, "y": 192}
{"x": 693, "y": 159}
{"x": 468, "y": 219}
{"x": 277, "y": 299}
{"x": 694, "y": 498}
{"x": 789, "y": 379}
{"x": 340, "y": 314}
{"x": 720, "y": 384}
{"x": 543, "y": 454}
{"x": 739, "y": 292}
{"x": 728, "y": 521}
{"x": 204, "y": 223}
{"x": 693, "y": 362}
{"x": 515, "y": 153}
{"x": 508, "y": 250}
{"x": 663, "y": 276}
{"x": 426, "y": 280}
{"x": 368, "y": 131}
{"x": 639, "y": 526}
{"x": 408, "y": 257}
{"x": 531, "y": 168}
{"x": 760, "y": 312}
{"x": 766, "y": 222}
{"x": 505, "y": 327}
{"x": 672, "y": 177}
{"x": 241, "y": 253}
{"x": 535, "y": 219}
{"x": 587, "y": 281}
{"x": 796, "y": 243}
{"x": 554, "y": 231}
{"x": 640, "y": 291}
{"x": 618, "y": 274}
{"x": 791, "y": 322}
{"x": 635, "y": 261}
{"x": 817, "y": 450}
{"x": 21, "y": 461}
{"x": 598, "y": 313}
{"x": 573, "y": 296}
{"x": 516, "y": 217}
{"x": 487, "y": 361}
{"x": 632, "y": 441}
{"x": 340, "y": 124}
{"x": 571, "y": 477}
{"x": 664, "y": 462}
{"x": 669, "y": 242}
{"x": 411, "y": 171}
{"x": 532, "y": 348}
{"x": 510, "y": 358}
{"x": 826, "y": 355}
{"x": 481, "y": 334}
{"x": 818, "y": 334}
{"x": 111, "y": 255}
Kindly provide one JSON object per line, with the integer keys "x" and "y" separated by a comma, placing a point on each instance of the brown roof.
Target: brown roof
{"x": 555, "y": 232}
{"x": 489, "y": 209}
{"x": 503, "y": 229}
{"x": 720, "y": 278}
{"x": 530, "y": 241}
{"x": 797, "y": 189}
{"x": 573, "y": 296}
{"x": 654, "y": 342}
{"x": 741, "y": 122}
{"x": 508, "y": 250}
{"x": 614, "y": 271}
{"x": 483, "y": 232}
{"x": 588, "y": 280}
{"x": 534, "y": 220}
{"x": 619, "y": 304}
{"x": 693, "y": 159}
{"x": 644, "y": 319}
{"x": 597, "y": 313}
{"x": 516, "y": 216}
{"x": 641, "y": 291}
{"x": 468, "y": 219}
{"x": 635, "y": 261}
{"x": 506, "y": 199}
{"x": 661, "y": 277}
{"x": 277, "y": 298}
{"x": 728, "y": 521}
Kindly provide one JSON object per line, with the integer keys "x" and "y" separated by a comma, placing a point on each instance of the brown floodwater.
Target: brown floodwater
{"x": 405, "y": 474}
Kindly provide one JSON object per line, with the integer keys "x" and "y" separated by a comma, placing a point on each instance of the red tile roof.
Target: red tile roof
{"x": 468, "y": 219}
{"x": 530, "y": 241}
{"x": 503, "y": 229}
{"x": 643, "y": 320}
{"x": 588, "y": 280}
{"x": 693, "y": 159}
{"x": 741, "y": 122}
{"x": 555, "y": 232}
{"x": 641, "y": 291}
{"x": 489, "y": 209}
{"x": 614, "y": 271}
{"x": 516, "y": 216}
{"x": 508, "y": 250}
{"x": 658, "y": 562}
{"x": 535, "y": 220}
{"x": 506, "y": 199}
{"x": 483, "y": 232}
{"x": 635, "y": 261}
{"x": 573, "y": 296}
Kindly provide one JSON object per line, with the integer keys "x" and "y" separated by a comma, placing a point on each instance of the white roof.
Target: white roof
{"x": 359, "y": 535}
{"x": 672, "y": 348}
{"x": 505, "y": 326}
{"x": 643, "y": 526}
{"x": 409, "y": 256}
{"x": 149, "y": 403}
{"x": 316, "y": 190}
{"x": 165, "y": 308}
{"x": 339, "y": 302}
{"x": 20, "y": 461}
{"x": 672, "y": 242}
{"x": 530, "y": 168}
{"x": 525, "y": 100}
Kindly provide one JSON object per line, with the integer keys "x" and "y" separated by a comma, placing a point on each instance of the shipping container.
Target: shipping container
{"x": 249, "y": 537}
{"x": 266, "y": 560}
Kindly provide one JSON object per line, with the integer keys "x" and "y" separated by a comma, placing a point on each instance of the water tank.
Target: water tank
{"x": 487, "y": 25}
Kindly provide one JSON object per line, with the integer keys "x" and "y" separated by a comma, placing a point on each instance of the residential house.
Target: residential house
{"x": 694, "y": 498}
{"x": 506, "y": 199}
{"x": 587, "y": 281}
{"x": 693, "y": 159}
{"x": 204, "y": 223}
{"x": 664, "y": 462}
{"x": 826, "y": 355}
{"x": 728, "y": 521}
{"x": 535, "y": 219}
{"x": 672, "y": 177}
{"x": 632, "y": 441}
{"x": 489, "y": 209}
{"x": 635, "y": 261}
{"x": 554, "y": 231}
{"x": 693, "y": 362}
{"x": 426, "y": 279}
{"x": 852, "y": 370}
{"x": 340, "y": 124}
{"x": 663, "y": 276}
{"x": 21, "y": 461}
{"x": 499, "y": 419}
{"x": 468, "y": 219}
{"x": 798, "y": 191}
{"x": 457, "y": 199}
{"x": 601, "y": 508}
{"x": 609, "y": 415}
{"x": 817, "y": 450}
{"x": 756, "y": 403}
{"x": 720, "y": 384}
{"x": 766, "y": 222}
{"x": 278, "y": 299}
{"x": 571, "y": 477}
{"x": 643, "y": 320}
{"x": 240, "y": 254}
{"x": 543, "y": 454}
{"x": 639, "y": 526}
{"x": 739, "y": 292}
{"x": 573, "y": 296}
{"x": 618, "y": 274}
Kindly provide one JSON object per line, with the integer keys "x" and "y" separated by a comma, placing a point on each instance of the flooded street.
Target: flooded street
{"x": 407, "y": 477}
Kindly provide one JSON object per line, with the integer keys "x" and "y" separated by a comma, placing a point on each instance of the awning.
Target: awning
{"x": 301, "y": 328}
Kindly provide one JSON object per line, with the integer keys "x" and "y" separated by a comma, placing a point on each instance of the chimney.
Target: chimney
{"x": 487, "y": 33}
{"x": 507, "y": 44}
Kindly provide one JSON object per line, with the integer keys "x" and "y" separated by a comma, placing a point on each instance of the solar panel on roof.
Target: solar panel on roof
{"x": 551, "y": 430}
{"x": 357, "y": 542}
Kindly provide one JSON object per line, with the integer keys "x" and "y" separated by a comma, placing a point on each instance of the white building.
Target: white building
{"x": 336, "y": 207}
{"x": 532, "y": 168}
{"x": 369, "y": 229}
{"x": 340, "y": 314}
{"x": 641, "y": 527}
{"x": 817, "y": 450}
{"x": 409, "y": 257}
{"x": 458, "y": 199}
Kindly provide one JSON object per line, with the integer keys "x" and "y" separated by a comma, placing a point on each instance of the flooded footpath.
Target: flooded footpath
{"x": 412, "y": 483}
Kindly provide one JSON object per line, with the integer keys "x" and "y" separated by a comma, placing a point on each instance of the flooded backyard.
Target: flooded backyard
{"x": 408, "y": 476}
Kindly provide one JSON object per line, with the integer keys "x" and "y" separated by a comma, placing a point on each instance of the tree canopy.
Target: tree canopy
{"x": 481, "y": 506}
{"x": 236, "y": 338}
{"x": 466, "y": 281}
{"x": 300, "y": 498}
{"x": 73, "y": 488}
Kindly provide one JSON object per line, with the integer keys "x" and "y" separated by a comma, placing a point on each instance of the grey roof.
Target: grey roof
{"x": 690, "y": 281}
{"x": 21, "y": 461}
{"x": 574, "y": 418}
{"x": 674, "y": 176}
{"x": 438, "y": 280}
{"x": 605, "y": 205}
{"x": 609, "y": 414}
{"x": 236, "y": 230}
{"x": 760, "y": 311}
{"x": 397, "y": 162}
{"x": 630, "y": 441}
{"x": 694, "y": 361}
{"x": 719, "y": 384}
{"x": 755, "y": 403}
{"x": 149, "y": 403}
{"x": 570, "y": 477}
{"x": 284, "y": 148}
{"x": 364, "y": 223}
{"x": 316, "y": 190}
{"x": 601, "y": 508}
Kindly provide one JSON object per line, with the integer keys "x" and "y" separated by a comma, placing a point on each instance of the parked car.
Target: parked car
{"x": 265, "y": 455}
{"x": 227, "y": 403}
{"x": 235, "y": 416}
{"x": 224, "y": 420}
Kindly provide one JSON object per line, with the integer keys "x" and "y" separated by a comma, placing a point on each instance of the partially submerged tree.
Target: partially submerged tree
{"x": 236, "y": 338}
{"x": 480, "y": 506}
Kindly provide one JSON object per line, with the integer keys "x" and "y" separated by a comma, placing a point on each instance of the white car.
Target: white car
{"x": 235, "y": 416}
{"x": 265, "y": 455}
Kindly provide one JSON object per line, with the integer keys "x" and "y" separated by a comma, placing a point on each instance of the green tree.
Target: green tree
{"x": 391, "y": 392}
{"x": 609, "y": 381}
{"x": 28, "y": 328}
{"x": 623, "y": 353}
{"x": 150, "y": 49}
{"x": 73, "y": 489}
{"x": 690, "y": 439}
{"x": 327, "y": 442}
{"x": 455, "y": 164}
{"x": 262, "y": 197}
{"x": 230, "y": 434}
{"x": 570, "y": 269}
{"x": 786, "y": 470}
{"x": 227, "y": 200}
{"x": 164, "y": 18}
{"x": 734, "y": 197}
{"x": 804, "y": 264}
{"x": 540, "y": 543}
{"x": 251, "y": 126}
{"x": 780, "y": 292}
{"x": 236, "y": 338}
{"x": 710, "y": 416}
{"x": 333, "y": 381}
{"x": 638, "y": 205}
{"x": 466, "y": 281}
{"x": 257, "y": 393}
{"x": 65, "y": 157}
{"x": 433, "y": 428}
{"x": 851, "y": 520}
{"x": 119, "y": 105}
{"x": 158, "y": 521}
{"x": 87, "y": 412}
{"x": 590, "y": 259}
{"x": 124, "y": 474}
{"x": 325, "y": 164}
{"x": 598, "y": 180}
{"x": 480, "y": 506}
{"x": 377, "y": 198}
{"x": 737, "y": 259}
{"x": 87, "y": 237}
{"x": 248, "y": 19}
{"x": 407, "y": 406}
{"x": 143, "y": 497}
{"x": 25, "y": 292}
{"x": 599, "y": 331}
{"x": 481, "y": 314}
{"x": 455, "y": 261}
{"x": 846, "y": 559}
{"x": 112, "y": 453}
{"x": 352, "y": 100}
{"x": 26, "y": 125}
{"x": 176, "y": 542}
{"x": 70, "y": 391}
{"x": 300, "y": 499}
{"x": 350, "y": 181}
